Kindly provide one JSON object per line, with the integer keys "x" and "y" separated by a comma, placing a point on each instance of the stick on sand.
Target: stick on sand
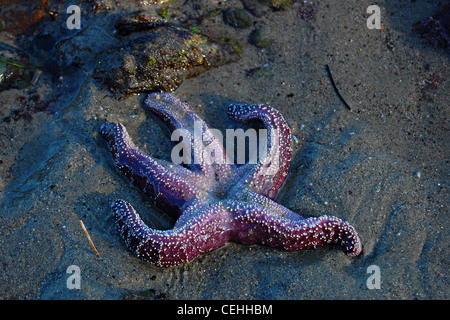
{"x": 89, "y": 238}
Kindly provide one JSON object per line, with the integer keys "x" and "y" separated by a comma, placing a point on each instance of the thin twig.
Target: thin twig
{"x": 89, "y": 238}
{"x": 12, "y": 63}
{"x": 336, "y": 89}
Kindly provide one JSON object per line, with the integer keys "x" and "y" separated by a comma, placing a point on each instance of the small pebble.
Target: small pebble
{"x": 260, "y": 38}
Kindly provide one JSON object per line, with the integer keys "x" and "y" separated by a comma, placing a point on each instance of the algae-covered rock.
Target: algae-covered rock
{"x": 157, "y": 56}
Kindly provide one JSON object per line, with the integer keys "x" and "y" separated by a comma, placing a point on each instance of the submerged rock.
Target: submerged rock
{"x": 256, "y": 8}
{"x": 82, "y": 49}
{"x": 237, "y": 18}
{"x": 260, "y": 38}
{"x": 144, "y": 54}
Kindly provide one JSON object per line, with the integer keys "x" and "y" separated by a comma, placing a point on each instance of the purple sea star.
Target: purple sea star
{"x": 215, "y": 202}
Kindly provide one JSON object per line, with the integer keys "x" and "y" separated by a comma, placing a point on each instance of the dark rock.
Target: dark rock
{"x": 126, "y": 25}
{"x": 255, "y": 8}
{"x": 260, "y": 38}
{"x": 237, "y": 18}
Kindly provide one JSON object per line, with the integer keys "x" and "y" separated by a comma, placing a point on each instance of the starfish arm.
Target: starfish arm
{"x": 270, "y": 205}
{"x": 178, "y": 115}
{"x": 183, "y": 243}
{"x": 255, "y": 224}
{"x": 171, "y": 187}
{"x": 269, "y": 175}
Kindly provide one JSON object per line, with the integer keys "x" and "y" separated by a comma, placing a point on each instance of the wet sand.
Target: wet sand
{"x": 382, "y": 166}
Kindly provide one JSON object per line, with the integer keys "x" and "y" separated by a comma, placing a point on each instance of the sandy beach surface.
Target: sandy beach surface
{"x": 381, "y": 165}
